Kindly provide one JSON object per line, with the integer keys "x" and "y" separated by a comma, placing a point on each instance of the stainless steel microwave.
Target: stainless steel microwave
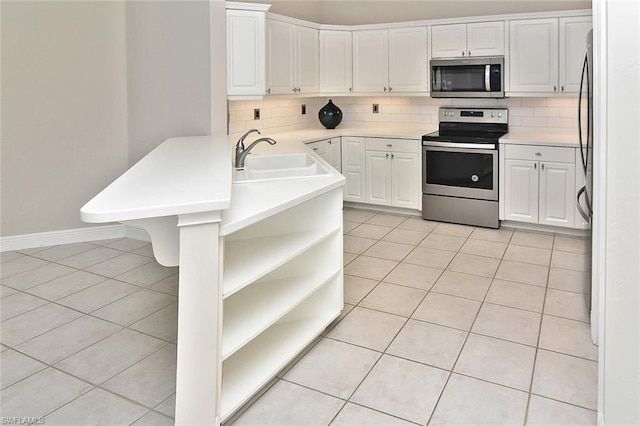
{"x": 480, "y": 77}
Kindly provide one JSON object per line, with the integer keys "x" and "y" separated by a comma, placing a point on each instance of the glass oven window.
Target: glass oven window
{"x": 459, "y": 169}
{"x": 459, "y": 78}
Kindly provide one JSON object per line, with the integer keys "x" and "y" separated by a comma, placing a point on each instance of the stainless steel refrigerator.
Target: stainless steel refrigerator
{"x": 584, "y": 197}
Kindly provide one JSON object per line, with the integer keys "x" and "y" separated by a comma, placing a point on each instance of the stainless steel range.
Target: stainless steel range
{"x": 460, "y": 166}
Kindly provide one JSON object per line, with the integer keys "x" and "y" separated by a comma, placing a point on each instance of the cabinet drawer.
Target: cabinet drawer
{"x": 319, "y": 147}
{"x": 541, "y": 153}
{"x": 397, "y": 145}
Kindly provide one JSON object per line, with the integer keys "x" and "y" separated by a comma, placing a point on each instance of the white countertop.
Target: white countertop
{"x": 181, "y": 176}
{"x": 193, "y": 175}
{"x": 543, "y": 136}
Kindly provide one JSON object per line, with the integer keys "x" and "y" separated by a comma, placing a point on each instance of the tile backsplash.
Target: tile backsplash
{"x": 280, "y": 113}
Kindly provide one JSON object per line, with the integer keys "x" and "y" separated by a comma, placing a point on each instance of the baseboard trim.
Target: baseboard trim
{"x": 69, "y": 236}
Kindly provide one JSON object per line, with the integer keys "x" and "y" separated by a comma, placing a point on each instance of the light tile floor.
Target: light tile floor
{"x": 443, "y": 324}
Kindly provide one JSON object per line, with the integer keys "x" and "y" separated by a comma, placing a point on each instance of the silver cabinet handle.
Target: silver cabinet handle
{"x": 542, "y": 166}
{"x": 387, "y": 155}
{"x": 562, "y": 88}
{"x": 462, "y": 52}
{"x": 555, "y": 89}
{"x": 469, "y": 53}
{"x": 315, "y": 149}
{"x": 535, "y": 166}
{"x": 385, "y": 89}
{"x": 268, "y": 91}
{"x": 390, "y": 88}
{"x": 538, "y": 154}
{"x": 329, "y": 142}
{"x": 392, "y": 156}
{"x": 350, "y": 89}
{"x": 389, "y": 145}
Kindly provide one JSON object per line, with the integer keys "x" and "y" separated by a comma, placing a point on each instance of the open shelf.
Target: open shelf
{"x": 258, "y": 249}
{"x": 253, "y": 309}
{"x": 249, "y": 260}
{"x": 255, "y": 364}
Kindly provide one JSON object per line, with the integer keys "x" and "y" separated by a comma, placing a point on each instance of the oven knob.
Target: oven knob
{"x": 499, "y": 115}
{"x": 475, "y": 178}
{"x": 492, "y": 115}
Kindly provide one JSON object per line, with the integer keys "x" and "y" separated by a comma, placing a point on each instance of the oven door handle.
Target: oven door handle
{"x": 459, "y": 145}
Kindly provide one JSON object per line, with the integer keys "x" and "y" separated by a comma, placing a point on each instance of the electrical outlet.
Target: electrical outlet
{"x": 256, "y": 114}
{"x": 304, "y": 109}
{"x": 376, "y": 108}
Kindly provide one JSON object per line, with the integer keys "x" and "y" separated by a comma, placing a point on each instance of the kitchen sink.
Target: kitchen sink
{"x": 277, "y": 167}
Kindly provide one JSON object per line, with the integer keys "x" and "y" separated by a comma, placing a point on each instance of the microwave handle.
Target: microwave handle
{"x": 487, "y": 77}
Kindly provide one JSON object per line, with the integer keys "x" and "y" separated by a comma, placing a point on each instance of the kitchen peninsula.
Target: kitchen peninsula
{"x": 260, "y": 264}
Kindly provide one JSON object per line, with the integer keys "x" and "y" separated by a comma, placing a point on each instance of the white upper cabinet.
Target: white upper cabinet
{"x": 461, "y": 40}
{"x": 392, "y": 60}
{"x": 485, "y": 39}
{"x": 307, "y": 59}
{"x": 245, "y": 53}
{"x": 533, "y": 55}
{"x": 335, "y": 61}
{"x": 573, "y": 45}
{"x": 292, "y": 58}
{"x": 280, "y": 62}
{"x": 408, "y": 62}
{"x": 545, "y": 55}
{"x": 371, "y": 61}
{"x": 449, "y": 41}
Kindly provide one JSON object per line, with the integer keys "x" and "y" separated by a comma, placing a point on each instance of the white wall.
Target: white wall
{"x": 617, "y": 23}
{"x": 168, "y": 68}
{"x": 64, "y": 111}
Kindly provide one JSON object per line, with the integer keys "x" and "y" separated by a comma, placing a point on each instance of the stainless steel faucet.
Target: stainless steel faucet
{"x": 241, "y": 152}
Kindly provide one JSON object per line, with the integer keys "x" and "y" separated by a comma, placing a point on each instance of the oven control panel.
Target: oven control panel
{"x": 474, "y": 115}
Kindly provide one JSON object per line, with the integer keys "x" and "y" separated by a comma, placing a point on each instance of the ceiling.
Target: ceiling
{"x": 354, "y": 12}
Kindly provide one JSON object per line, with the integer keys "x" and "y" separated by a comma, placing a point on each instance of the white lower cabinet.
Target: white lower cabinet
{"x": 282, "y": 281}
{"x": 539, "y": 185}
{"x": 353, "y": 168}
{"x": 329, "y": 150}
{"x": 393, "y": 172}
{"x": 378, "y": 181}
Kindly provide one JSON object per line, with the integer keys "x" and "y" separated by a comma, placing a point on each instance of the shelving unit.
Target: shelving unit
{"x": 282, "y": 285}
{"x": 253, "y": 309}
{"x": 256, "y": 363}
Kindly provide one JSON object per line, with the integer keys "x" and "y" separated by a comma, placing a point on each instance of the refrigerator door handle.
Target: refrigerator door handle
{"x": 586, "y": 216}
{"x": 585, "y": 70}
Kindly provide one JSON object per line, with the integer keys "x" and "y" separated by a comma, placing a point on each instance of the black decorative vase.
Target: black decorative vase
{"x": 330, "y": 115}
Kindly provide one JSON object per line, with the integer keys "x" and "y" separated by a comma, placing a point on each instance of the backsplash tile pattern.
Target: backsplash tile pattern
{"x": 281, "y": 113}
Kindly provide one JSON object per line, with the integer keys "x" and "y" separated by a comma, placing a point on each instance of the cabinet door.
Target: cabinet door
{"x": 533, "y": 55}
{"x": 485, "y": 39}
{"x": 573, "y": 45}
{"x": 307, "y": 60}
{"x": 521, "y": 191}
{"x": 378, "y": 177}
{"x": 557, "y": 194}
{"x": 335, "y": 61}
{"x": 280, "y": 51}
{"x": 408, "y": 63}
{"x": 334, "y": 153}
{"x": 371, "y": 61}
{"x": 245, "y": 53}
{"x": 353, "y": 168}
{"x": 449, "y": 41}
{"x": 406, "y": 188}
